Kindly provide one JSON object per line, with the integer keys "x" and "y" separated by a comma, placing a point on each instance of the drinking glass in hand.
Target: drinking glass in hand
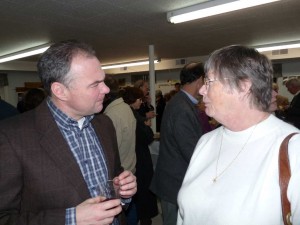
{"x": 110, "y": 190}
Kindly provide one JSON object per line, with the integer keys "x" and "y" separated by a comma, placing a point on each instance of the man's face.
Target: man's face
{"x": 291, "y": 89}
{"x": 87, "y": 89}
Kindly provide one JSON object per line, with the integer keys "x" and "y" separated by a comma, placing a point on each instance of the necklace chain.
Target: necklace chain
{"x": 237, "y": 155}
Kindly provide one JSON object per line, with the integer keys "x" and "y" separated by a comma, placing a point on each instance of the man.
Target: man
{"x": 125, "y": 124}
{"x": 293, "y": 111}
{"x": 180, "y": 130}
{"x": 54, "y": 158}
{"x": 7, "y": 110}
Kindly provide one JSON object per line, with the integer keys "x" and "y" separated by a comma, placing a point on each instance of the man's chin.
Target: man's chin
{"x": 99, "y": 109}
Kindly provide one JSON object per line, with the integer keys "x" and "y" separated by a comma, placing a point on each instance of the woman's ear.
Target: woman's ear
{"x": 245, "y": 86}
{"x": 59, "y": 91}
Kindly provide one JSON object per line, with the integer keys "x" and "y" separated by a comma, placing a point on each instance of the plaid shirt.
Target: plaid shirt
{"x": 87, "y": 150}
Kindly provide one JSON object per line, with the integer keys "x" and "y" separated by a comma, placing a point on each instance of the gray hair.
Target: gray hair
{"x": 293, "y": 82}
{"x": 234, "y": 64}
{"x": 54, "y": 65}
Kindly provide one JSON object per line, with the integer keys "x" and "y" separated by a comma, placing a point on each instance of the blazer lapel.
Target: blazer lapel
{"x": 105, "y": 131}
{"x": 103, "y": 139}
{"x": 55, "y": 145}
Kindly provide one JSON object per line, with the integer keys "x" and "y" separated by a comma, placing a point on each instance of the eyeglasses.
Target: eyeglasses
{"x": 207, "y": 82}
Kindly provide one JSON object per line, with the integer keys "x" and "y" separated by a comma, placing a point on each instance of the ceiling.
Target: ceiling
{"x": 122, "y": 30}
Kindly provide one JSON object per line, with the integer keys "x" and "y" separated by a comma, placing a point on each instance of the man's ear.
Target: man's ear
{"x": 59, "y": 91}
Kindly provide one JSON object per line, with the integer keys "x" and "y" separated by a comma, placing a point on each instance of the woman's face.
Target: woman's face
{"x": 220, "y": 101}
{"x": 136, "y": 104}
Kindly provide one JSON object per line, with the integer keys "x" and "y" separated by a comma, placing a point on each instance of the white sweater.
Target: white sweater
{"x": 248, "y": 191}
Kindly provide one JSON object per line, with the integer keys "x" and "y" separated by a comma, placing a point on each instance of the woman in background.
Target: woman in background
{"x": 145, "y": 200}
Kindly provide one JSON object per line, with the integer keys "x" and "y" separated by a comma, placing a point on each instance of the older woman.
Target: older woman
{"x": 233, "y": 174}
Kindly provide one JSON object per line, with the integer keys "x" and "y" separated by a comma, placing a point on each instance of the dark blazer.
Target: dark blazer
{"x": 293, "y": 112}
{"x": 180, "y": 131}
{"x": 39, "y": 177}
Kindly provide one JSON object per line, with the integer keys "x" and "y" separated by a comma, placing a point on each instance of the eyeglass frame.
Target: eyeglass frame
{"x": 207, "y": 82}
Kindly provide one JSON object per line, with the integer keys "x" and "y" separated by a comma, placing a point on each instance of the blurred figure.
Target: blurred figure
{"x": 282, "y": 103}
{"x": 125, "y": 124}
{"x": 160, "y": 107}
{"x": 167, "y": 97}
{"x": 33, "y": 98}
{"x": 205, "y": 120}
{"x": 177, "y": 87}
{"x": 7, "y": 110}
{"x": 233, "y": 174}
{"x": 181, "y": 128}
{"x": 20, "y": 104}
{"x": 293, "y": 111}
{"x": 145, "y": 200}
{"x": 146, "y": 109}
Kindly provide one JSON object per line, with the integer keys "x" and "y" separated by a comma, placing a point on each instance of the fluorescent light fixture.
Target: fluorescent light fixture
{"x": 24, "y": 53}
{"x": 279, "y": 46}
{"x": 211, "y": 8}
{"x": 128, "y": 64}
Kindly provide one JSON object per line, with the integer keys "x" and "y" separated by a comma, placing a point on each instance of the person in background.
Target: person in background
{"x": 177, "y": 87}
{"x": 146, "y": 109}
{"x": 33, "y": 98}
{"x": 145, "y": 200}
{"x": 281, "y": 101}
{"x": 7, "y": 110}
{"x": 125, "y": 124}
{"x": 233, "y": 174}
{"x": 54, "y": 158}
{"x": 20, "y": 104}
{"x": 181, "y": 128}
{"x": 292, "y": 113}
{"x": 160, "y": 107}
{"x": 206, "y": 122}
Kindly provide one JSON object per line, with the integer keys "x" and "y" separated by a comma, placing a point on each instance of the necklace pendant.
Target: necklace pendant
{"x": 215, "y": 180}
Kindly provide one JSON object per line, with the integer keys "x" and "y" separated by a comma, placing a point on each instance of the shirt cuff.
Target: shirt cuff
{"x": 71, "y": 216}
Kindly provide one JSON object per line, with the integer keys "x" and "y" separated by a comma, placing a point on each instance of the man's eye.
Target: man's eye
{"x": 95, "y": 85}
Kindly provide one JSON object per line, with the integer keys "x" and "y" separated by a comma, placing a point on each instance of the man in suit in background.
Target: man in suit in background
{"x": 293, "y": 111}
{"x": 53, "y": 159}
{"x": 180, "y": 131}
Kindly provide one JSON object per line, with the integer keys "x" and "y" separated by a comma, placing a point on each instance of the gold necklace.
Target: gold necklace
{"x": 238, "y": 154}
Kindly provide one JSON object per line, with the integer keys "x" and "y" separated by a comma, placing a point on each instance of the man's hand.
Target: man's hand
{"x": 97, "y": 211}
{"x": 127, "y": 182}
